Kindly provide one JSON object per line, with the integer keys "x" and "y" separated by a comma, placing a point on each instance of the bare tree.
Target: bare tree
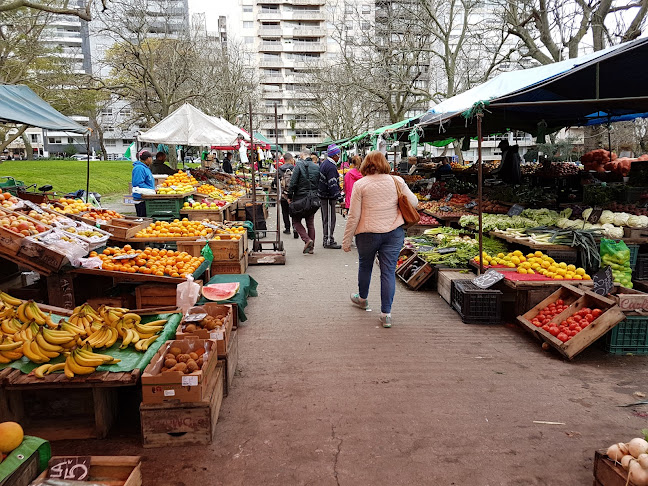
{"x": 83, "y": 10}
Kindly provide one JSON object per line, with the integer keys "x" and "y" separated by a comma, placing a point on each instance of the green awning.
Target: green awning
{"x": 326, "y": 142}
{"x": 393, "y": 126}
{"x": 261, "y": 138}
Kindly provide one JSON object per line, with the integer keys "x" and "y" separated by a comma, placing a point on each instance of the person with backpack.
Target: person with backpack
{"x": 329, "y": 193}
{"x": 285, "y": 174}
{"x": 303, "y": 199}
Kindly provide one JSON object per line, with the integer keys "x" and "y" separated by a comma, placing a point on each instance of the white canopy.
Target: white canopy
{"x": 228, "y": 126}
{"x": 190, "y": 126}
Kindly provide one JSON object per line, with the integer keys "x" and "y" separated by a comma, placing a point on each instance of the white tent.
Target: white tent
{"x": 228, "y": 126}
{"x": 190, "y": 126}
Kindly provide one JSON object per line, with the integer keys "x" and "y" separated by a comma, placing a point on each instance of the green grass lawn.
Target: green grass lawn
{"x": 110, "y": 177}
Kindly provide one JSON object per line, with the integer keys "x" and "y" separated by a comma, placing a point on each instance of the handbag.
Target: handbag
{"x": 305, "y": 205}
{"x": 409, "y": 212}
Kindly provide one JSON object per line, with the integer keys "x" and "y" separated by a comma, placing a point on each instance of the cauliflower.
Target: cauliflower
{"x": 621, "y": 219}
{"x": 606, "y": 217}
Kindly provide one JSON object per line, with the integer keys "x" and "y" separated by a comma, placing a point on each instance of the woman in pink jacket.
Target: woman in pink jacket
{"x": 350, "y": 178}
{"x": 377, "y": 223}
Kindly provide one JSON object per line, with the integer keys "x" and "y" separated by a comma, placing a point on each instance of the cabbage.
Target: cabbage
{"x": 576, "y": 224}
{"x": 643, "y": 221}
{"x": 606, "y": 217}
{"x": 634, "y": 222}
{"x": 588, "y": 226}
{"x": 621, "y": 219}
{"x": 563, "y": 223}
{"x": 613, "y": 232}
{"x": 586, "y": 214}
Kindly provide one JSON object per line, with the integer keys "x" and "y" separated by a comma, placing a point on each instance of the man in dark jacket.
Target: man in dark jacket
{"x": 329, "y": 193}
{"x": 303, "y": 183}
{"x": 285, "y": 174}
{"x": 227, "y": 163}
{"x": 159, "y": 166}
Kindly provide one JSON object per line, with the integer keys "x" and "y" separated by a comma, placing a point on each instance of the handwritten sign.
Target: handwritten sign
{"x": 515, "y": 210}
{"x": 443, "y": 251}
{"x": 603, "y": 281}
{"x": 488, "y": 279}
{"x": 448, "y": 197}
{"x": 128, "y": 256}
{"x": 595, "y": 216}
{"x": 470, "y": 205}
{"x": 445, "y": 209}
{"x": 633, "y": 302}
{"x": 76, "y": 468}
{"x": 33, "y": 206}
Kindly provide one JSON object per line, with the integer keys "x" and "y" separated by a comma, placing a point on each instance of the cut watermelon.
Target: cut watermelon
{"x": 220, "y": 291}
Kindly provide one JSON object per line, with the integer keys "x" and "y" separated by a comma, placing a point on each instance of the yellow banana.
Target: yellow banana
{"x": 50, "y": 323}
{"x": 35, "y": 357}
{"x": 131, "y": 318}
{"x": 38, "y": 350}
{"x": 8, "y": 327}
{"x": 130, "y": 334}
{"x": 40, "y": 371}
{"x": 147, "y": 329}
{"x": 57, "y": 337}
{"x": 77, "y": 368}
{"x": 66, "y": 368}
{"x": 70, "y": 345}
{"x": 120, "y": 328}
{"x": 71, "y": 328}
{"x": 8, "y": 344}
{"x": 56, "y": 367}
{"x": 83, "y": 360}
{"x": 12, "y": 355}
{"x": 87, "y": 352}
{"x": 160, "y": 322}
{"x": 148, "y": 342}
{"x": 4, "y": 360}
{"x": 113, "y": 337}
{"x": 9, "y": 300}
{"x": 34, "y": 313}
{"x": 46, "y": 346}
{"x": 20, "y": 312}
{"x": 8, "y": 311}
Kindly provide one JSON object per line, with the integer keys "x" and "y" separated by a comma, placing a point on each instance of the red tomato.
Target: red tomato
{"x": 545, "y": 327}
{"x": 553, "y": 330}
{"x": 570, "y": 321}
{"x": 573, "y": 326}
{"x": 596, "y": 313}
{"x": 560, "y": 302}
{"x": 536, "y": 323}
{"x": 578, "y": 329}
{"x": 587, "y": 310}
{"x": 584, "y": 324}
{"x": 589, "y": 317}
{"x": 563, "y": 337}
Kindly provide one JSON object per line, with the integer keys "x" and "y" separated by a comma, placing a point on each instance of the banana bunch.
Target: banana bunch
{"x": 9, "y": 300}
{"x": 111, "y": 315}
{"x": 45, "y": 344}
{"x": 132, "y": 331}
{"x": 83, "y": 361}
{"x": 143, "y": 344}
{"x": 29, "y": 311}
{"x": 10, "y": 350}
{"x": 104, "y": 337}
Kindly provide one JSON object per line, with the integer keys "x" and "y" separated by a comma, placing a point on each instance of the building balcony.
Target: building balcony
{"x": 270, "y": 2}
{"x": 306, "y": 15}
{"x": 266, "y": 63}
{"x": 317, "y": 31}
{"x": 265, "y": 16}
{"x": 271, "y": 47}
{"x": 271, "y": 78}
{"x": 309, "y": 47}
{"x": 270, "y": 31}
{"x": 308, "y": 2}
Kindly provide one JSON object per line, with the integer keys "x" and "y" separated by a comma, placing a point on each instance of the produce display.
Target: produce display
{"x": 533, "y": 263}
{"x": 617, "y": 256}
{"x": 81, "y": 229}
{"x": 493, "y": 207}
{"x": 175, "y": 189}
{"x": 8, "y": 201}
{"x": 596, "y": 159}
{"x": 150, "y": 261}
{"x": 70, "y": 206}
{"x": 205, "y": 205}
{"x": 633, "y": 457}
{"x": 177, "y": 228}
{"x": 234, "y": 232}
{"x": 569, "y": 327}
{"x": 558, "y": 169}
{"x": 209, "y": 323}
{"x": 187, "y": 363}
{"x": 20, "y": 224}
{"x": 178, "y": 179}
{"x": 45, "y": 217}
{"x": 428, "y": 220}
{"x": 102, "y": 215}
{"x": 228, "y": 197}
{"x": 27, "y": 331}
{"x": 206, "y": 189}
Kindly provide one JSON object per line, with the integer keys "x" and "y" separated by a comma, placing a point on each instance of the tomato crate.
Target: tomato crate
{"x": 567, "y": 293}
{"x": 611, "y": 315}
{"x": 474, "y": 304}
{"x": 629, "y": 336}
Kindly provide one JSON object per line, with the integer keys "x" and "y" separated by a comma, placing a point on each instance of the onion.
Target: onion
{"x": 637, "y": 474}
{"x": 643, "y": 460}
{"x": 625, "y": 461}
{"x": 623, "y": 447}
{"x": 614, "y": 452}
{"x": 637, "y": 446}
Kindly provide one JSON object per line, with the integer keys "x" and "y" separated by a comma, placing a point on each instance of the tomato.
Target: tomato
{"x": 584, "y": 324}
{"x": 536, "y": 323}
{"x": 596, "y": 313}
{"x": 545, "y": 327}
{"x": 570, "y": 321}
{"x": 573, "y": 326}
{"x": 587, "y": 310}
{"x": 578, "y": 329}
{"x": 563, "y": 337}
{"x": 589, "y": 317}
{"x": 553, "y": 330}
{"x": 560, "y": 302}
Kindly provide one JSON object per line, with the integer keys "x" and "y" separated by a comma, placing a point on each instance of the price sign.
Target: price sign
{"x": 125, "y": 257}
{"x": 209, "y": 225}
{"x": 470, "y": 205}
{"x": 595, "y": 216}
{"x": 443, "y": 251}
{"x": 74, "y": 468}
{"x": 488, "y": 279}
{"x": 515, "y": 210}
{"x": 448, "y": 197}
{"x": 33, "y": 206}
{"x": 603, "y": 281}
{"x": 194, "y": 317}
{"x": 445, "y": 209}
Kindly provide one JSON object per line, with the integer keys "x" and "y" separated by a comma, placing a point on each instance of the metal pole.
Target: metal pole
{"x": 609, "y": 127}
{"x": 479, "y": 191}
{"x": 253, "y": 173}
{"x": 88, "y": 168}
{"x": 278, "y": 238}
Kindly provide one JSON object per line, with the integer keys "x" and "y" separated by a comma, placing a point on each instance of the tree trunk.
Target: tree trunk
{"x": 173, "y": 157}
{"x": 5, "y": 144}
{"x": 457, "y": 150}
{"x": 29, "y": 152}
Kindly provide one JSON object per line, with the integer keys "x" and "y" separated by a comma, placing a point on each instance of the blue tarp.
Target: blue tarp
{"x": 19, "y": 104}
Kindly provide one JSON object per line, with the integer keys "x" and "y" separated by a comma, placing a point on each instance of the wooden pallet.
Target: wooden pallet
{"x": 113, "y": 470}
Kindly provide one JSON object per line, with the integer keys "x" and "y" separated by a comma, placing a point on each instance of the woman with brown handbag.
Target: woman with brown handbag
{"x": 377, "y": 223}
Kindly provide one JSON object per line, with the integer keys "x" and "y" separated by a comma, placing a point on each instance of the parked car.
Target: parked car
{"x": 84, "y": 157}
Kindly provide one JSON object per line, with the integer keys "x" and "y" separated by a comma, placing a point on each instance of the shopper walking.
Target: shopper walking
{"x": 284, "y": 176}
{"x": 303, "y": 199}
{"x": 350, "y": 178}
{"x": 329, "y": 193}
{"x": 377, "y": 223}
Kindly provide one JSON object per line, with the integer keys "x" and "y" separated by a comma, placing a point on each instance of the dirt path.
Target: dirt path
{"x": 326, "y": 397}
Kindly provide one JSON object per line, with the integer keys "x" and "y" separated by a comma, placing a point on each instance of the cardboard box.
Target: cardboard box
{"x": 221, "y": 337}
{"x": 172, "y": 386}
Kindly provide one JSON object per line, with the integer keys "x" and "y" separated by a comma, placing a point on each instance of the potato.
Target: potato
{"x": 183, "y": 358}
{"x": 180, "y": 367}
{"x": 175, "y": 351}
{"x": 193, "y": 356}
{"x": 190, "y": 328}
{"x": 170, "y": 362}
{"x": 192, "y": 366}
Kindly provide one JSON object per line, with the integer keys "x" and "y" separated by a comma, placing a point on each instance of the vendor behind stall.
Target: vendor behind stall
{"x": 142, "y": 178}
{"x": 227, "y": 163}
{"x": 159, "y": 166}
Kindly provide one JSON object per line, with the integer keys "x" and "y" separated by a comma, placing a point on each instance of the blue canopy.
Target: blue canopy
{"x": 19, "y": 104}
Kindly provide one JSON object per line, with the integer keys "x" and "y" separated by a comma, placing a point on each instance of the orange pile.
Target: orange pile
{"x": 206, "y": 189}
{"x": 149, "y": 261}
{"x": 178, "y": 178}
{"x": 234, "y": 233}
{"x": 177, "y": 228}
{"x": 71, "y": 206}
{"x": 102, "y": 214}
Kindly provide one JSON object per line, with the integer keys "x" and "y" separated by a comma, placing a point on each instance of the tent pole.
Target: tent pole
{"x": 253, "y": 173}
{"x": 609, "y": 127}
{"x": 278, "y": 239}
{"x": 479, "y": 191}
{"x": 88, "y": 168}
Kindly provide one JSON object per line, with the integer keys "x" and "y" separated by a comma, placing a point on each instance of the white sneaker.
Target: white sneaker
{"x": 385, "y": 320}
{"x": 359, "y": 301}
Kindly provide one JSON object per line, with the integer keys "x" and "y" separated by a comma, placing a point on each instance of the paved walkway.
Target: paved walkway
{"x": 326, "y": 397}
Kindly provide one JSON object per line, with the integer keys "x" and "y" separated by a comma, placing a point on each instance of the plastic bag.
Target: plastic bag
{"x": 616, "y": 254}
{"x": 143, "y": 190}
{"x": 187, "y": 294}
{"x": 207, "y": 253}
{"x": 92, "y": 262}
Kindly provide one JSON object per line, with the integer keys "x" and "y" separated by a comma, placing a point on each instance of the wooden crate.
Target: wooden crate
{"x": 610, "y": 317}
{"x": 221, "y": 338}
{"x": 407, "y": 252}
{"x": 169, "y": 424}
{"x": 157, "y": 295}
{"x": 230, "y": 362}
{"x": 200, "y": 215}
{"x": 419, "y": 277}
{"x": 227, "y": 248}
{"x": 567, "y": 293}
{"x": 112, "y": 470}
{"x": 125, "y": 228}
{"x": 230, "y": 267}
{"x": 444, "y": 282}
{"x": 24, "y": 474}
{"x": 42, "y": 254}
{"x": 419, "y": 229}
{"x": 609, "y": 473}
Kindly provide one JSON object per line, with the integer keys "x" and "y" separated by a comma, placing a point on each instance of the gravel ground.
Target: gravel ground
{"x": 324, "y": 396}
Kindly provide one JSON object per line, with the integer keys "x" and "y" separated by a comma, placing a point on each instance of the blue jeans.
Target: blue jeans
{"x": 388, "y": 247}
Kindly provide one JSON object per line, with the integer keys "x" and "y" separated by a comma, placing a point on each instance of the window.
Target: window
{"x": 248, "y": 40}
{"x": 366, "y": 9}
{"x": 307, "y": 133}
{"x": 126, "y": 141}
{"x": 364, "y": 25}
{"x": 54, "y": 140}
{"x": 271, "y": 133}
{"x": 248, "y": 25}
{"x": 270, "y": 9}
{"x": 33, "y": 137}
{"x": 247, "y": 8}
{"x": 348, "y": 9}
{"x": 110, "y": 142}
{"x": 301, "y": 117}
{"x": 106, "y": 111}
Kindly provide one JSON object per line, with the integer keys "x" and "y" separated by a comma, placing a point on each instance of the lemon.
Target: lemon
{"x": 569, "y": 276}
{"x": 545, "y": 264}
{"x": 580, "y": 271}
{"x": 522, "y": 259}
{"x": 538, "y": 253}
{"x": 517, "y": 253}
{"x": 477, "y": 259}
{"x": 586, "y": 277}
{"x": 530, "y": 255}
{"x": 484, "y": 254}
{"x": 531, "y": 272}
{"x": 522, "y": 271}
{"x": 578, "y": 277}
{"x": 510, "y": 265}
{"x": 571, "y": 268}
{"x": 562, "y": 265}
{"x": 535, "y": 266}
{"x": 558, "y": 277}
{"x": 515, "y": 260}
{"x": 500, "y": 255}
{"x": 562, "y": 272}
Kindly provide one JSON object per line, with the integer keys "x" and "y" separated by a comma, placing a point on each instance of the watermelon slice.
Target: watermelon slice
{"x": 220, "y": 291}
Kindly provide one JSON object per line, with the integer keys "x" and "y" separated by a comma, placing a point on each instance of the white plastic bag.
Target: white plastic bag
{"x": 143, "y": 190}
{"x": 187, "y": 294}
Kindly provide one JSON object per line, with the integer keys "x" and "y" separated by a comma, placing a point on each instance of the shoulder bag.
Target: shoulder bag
{"x": 305, "y": 205}
{"x": 409, "y": 212}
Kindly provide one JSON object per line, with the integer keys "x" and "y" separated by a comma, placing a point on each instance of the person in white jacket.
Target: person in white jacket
{"x": 377, "y": 223}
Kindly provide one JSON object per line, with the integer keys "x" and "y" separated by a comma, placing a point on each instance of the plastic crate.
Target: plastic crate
{"x": 634, "y": 253}
{"x": 11, "y": 185}
{"x": 163, "y": 207}
{"x": 569, "y": 257}
{"x": 641, "y": 270}
{"x": 628, "y": 337}
{"x": 633, "y": 194}
{"x": 474, "y": 304}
